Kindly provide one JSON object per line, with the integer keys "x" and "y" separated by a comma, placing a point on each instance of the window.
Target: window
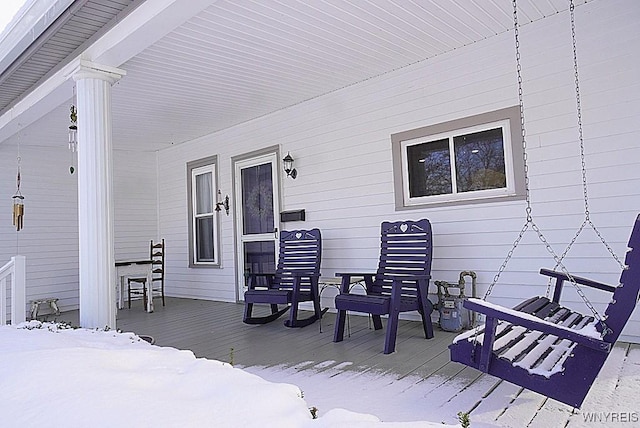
{"x": 464, "y": 160}
{"x": 203, "y": 217}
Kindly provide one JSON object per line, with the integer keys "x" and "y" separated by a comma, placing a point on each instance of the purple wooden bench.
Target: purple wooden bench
{"x": 545, "y": 347}
{"x": 295, "y": 280}
{"x": 400, "y": 284}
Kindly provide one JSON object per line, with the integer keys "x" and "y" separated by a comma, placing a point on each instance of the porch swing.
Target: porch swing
{"x": 539, "y": 344}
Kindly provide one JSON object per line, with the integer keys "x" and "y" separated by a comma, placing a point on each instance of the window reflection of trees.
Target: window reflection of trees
{"x": 430, "y": 169}
{"x": 479, "y": 162}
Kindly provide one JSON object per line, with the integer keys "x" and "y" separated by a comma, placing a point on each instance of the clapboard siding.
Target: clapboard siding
{"x": 135, "y": 189}
{"x": 341, "y": 145}
{"x": 49, "y": 239}
{"x": 342, "y": 150}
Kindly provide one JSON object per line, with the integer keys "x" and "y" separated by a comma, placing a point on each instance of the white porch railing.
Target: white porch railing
{"x": 16, "y": 270}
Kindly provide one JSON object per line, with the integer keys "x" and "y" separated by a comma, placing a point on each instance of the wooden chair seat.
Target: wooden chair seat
{"x": 375, "y": 305}
{"x": 280, "y": 297}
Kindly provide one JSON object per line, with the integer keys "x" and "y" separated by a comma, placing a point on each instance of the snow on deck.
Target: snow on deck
{"x": 417, "y": 382}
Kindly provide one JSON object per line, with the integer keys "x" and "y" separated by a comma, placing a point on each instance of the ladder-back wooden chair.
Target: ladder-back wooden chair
{"x": 400, "y": 284}
{"x": 138, "y": 285}
{"x": 295, "y": 280}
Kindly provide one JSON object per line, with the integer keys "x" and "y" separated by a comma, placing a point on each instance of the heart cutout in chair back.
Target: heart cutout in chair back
{"x": 404, "y": 227}
{"x": 298, "y": 235}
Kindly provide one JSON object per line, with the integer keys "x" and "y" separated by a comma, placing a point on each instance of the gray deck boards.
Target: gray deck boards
{"x": 215, "y": 330}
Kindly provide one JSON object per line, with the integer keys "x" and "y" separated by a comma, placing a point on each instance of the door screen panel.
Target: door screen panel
{"x": 259, "y": 257}
{"x": 257, "y": 197}
{"x": 257, "y": 212}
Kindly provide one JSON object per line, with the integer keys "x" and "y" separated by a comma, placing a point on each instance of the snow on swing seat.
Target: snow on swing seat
{"x": 545, "y": 347}
{"x": 537, "y": 352}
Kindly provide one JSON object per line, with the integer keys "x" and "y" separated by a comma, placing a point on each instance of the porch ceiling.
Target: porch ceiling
{"x": 64, "y": 30}
{"x": 238, "y": 60}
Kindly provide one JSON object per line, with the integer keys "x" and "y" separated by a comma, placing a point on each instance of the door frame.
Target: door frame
{"x": 277, "y": 197}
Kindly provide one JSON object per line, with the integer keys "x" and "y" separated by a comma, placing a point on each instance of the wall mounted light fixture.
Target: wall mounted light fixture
{"x": 222, "y": 203}
{"x": 288, "y": 166}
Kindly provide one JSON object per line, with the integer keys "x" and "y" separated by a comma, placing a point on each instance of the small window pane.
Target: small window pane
{"x": 204, "y": 194}
{"x": 480, "y": 161}
{"x": 204, "y": 239}
{"x": 429, "y": 168}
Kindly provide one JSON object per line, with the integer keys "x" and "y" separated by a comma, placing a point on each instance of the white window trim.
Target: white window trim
{"x": 195, "y": 168}
{"x": 508, "y": 119}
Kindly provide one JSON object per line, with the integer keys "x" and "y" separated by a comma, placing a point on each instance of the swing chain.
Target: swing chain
{"x": 524, "y": 156}
{"x": 529, "y": 220}
{"x": 522, "y": 127}
{"x": 579, "y": 109}
{"x": 506, "y": 261}
{"x": 587, "y": 219}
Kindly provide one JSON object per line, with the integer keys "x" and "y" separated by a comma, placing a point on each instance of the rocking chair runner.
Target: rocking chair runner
{"x": 545, "y": 347}
{"x": 295, "y": 280}
{"x": 400, "y": 284}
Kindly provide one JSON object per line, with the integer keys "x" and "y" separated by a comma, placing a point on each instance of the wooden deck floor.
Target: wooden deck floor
{"x": 419, "y": 367}
{"x": 215, "y": 330}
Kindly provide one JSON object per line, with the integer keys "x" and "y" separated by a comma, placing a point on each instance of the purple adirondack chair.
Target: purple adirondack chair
{"x": 295, "y": 280}
{"x": 545, "y": 347}
{"x": 400, "y": 284}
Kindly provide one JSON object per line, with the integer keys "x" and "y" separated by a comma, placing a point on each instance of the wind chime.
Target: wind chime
{"x": 18, "y": 203}
{"x": 73, "y": 135}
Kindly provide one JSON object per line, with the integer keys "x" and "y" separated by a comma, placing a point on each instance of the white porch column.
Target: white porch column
{"x": 95, "y": 204}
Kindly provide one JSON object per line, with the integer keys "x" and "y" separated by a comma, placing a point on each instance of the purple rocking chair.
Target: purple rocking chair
{"x": 545, "y": 347}
{"x": 295, "y": 280}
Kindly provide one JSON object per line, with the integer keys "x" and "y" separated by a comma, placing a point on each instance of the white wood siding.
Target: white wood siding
{"x": 135, "y": 203}
{"x": 342, "y": 150}
{"x": 49, "y": 239}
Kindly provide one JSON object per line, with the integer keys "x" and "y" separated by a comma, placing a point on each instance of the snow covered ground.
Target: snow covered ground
{"x": 88, "y": 378}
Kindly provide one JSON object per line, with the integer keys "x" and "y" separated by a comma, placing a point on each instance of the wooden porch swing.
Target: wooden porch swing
{"x": 539, "y": 344}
